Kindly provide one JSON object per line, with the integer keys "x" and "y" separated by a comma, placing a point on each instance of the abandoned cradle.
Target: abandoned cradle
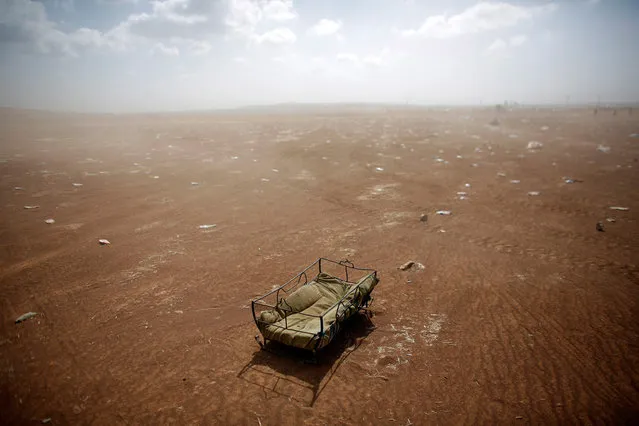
{"x": 308, "y": 314}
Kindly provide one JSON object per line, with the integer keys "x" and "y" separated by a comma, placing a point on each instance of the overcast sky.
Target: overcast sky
{"x": 128, "y": 55}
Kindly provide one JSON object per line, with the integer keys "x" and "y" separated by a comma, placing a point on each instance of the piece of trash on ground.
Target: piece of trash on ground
{"x": 533, "y": 145}
{"x": 423, "y": 217}
{"x": 611, "y": 219}
{"x": 45, "y": 421}
{"x": 621, "y": 209}
{"x": 500, "y": 174}
{"x": 31, "y": 207}
{"x": 265, "y": 180}
{"x": 515, "y": 181}
{"x": 600, "y": 227}
{"x": 25, "y": 317}
{"x": 104, "y": 242}
{"x": 467, "y": 185}
{"x": 533, "y": 193}
{"x": 379, "y": 169}
{"x": 207, "y": 226}
{"x": 604, "y": 149}
{"x": 411, "y": 264}
{"x": 195, "y": 183}
{"x": 544, "y": 128}
{"x": 77, "y": 185}
{"x": 462, "y": 193}
{"x": 49, "y": 221}
{"x": 444, "y": 212}
{"x": 18, "y": 188}
{"x": 275, "y": 170}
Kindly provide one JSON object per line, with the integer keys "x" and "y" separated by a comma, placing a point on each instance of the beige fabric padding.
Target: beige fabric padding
{"x": 296, "y": 322}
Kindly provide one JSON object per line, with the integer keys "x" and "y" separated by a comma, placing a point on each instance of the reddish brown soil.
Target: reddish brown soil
{"x": 524, "y": 313}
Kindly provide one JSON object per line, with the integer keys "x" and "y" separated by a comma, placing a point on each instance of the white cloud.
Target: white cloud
{"x": 240, "y": 59}
{"x": 484, "y": 16}
{"x": 498, "y": 44}
{"x": 244, "y": 16}
{"x": 518, "y": 40}
{"x": 347, "y": 57}
{"x": 200, "y": 47}
{"x": 278, "y": 10}
{"x": 501, "y": 44}
{"x": 281, "y": 35}
{"x": 162, "y": 49}
{"x": 325, "y": 27}
{"x": 372, "y": 60}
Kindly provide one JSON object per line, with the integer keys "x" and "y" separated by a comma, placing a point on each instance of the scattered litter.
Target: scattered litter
{"x": 411, "y": 264}
{"x": 611, "y": 219}
{"x": 444, "y": 212}
{"x": 31, "y": 207}
{"x": 515, "y": 181}
{"x": 275, "y": 170}
{"x": 45, "y": 421}
{"x": 600, "y": 227}
{"x": 533, "y": 193}
{"x": 379, "y": 169}
{"x": 235, "y": 157}
{"x": 621, "y": 209}
{"x": 104, "y": 242}
{"x": 463, "y": 197}
{"x": 441, "y": 230}
{"x": 500, "y": 174}
{"x": 265, "y": 180}
{"x": 49, "y": 221}
{"x": 571, "y": 180}
{"x": 462, "y": 193}
{"x": 77, "y": 185}
{"x": 604, "y": 149}
{"x": 423, "y": 217}
{"x": 532, "y": 145}
{"x": 195, "y": 183}
{"x": 207, "y": 226}
{"x": 475, "y": 165}
{"x": 467, "y": 185}
{"x": 156, "y": 177}
{"x": 25, "y": 317}
{"x": 179, "y": 311}
{"x": 459, "y": 157}
{"x": 544, "y": 128}
{"x": 18, "y": 188}
{"x": 478, "y": 150}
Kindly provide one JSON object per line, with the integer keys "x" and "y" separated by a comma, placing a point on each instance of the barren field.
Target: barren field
{"x": 524, "y": 313}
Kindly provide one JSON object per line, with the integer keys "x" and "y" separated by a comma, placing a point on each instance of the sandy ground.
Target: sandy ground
{"x": 524, "y": 313}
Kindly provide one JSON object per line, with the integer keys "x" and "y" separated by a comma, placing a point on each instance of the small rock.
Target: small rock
{"x": 423, "y": 217}
{"x": 611, "y": 220}
{"x": 604, "y": 149}
{"x": 501, "y": 174}
{"x": 534, "y": 145}
{"x": 600, "y": 227}
{"x": 104, "y": 242}
{"x": 45, "y": 421}
{"x": 25, "y": 317}
{"x": 411, "y": 264}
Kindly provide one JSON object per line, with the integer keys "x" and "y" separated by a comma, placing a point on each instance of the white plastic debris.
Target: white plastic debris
{"x": 513, "y": 136}
{"x": 235, "y": 157}
{"x": 104, "y": 242}
{"x": 265, "y": 180}
{"x": 621, "y": 209}
{"x": 533, "y": 193}
{"x": 533, "y": 145}
{"x": 544, "y": 128}
{"x": 31, "y": 207}
{"x": 459, "y": 157}
{"x": 379, "y": 169}
{"x": 611, "y": 219}
{"x": 77, "y": 185}
{"x": 604, "y": 149}
{"x": 275, "y": 170}
{"x": 49, "y": 221}
{"x": 156, "y": 177}
{"x": 515, "y": 181}
{"x": 462, "y": 193}
{"x": 195, "y": 183}
{"x": 501, "y": 174}
{"x": 475, "y": 165}
{"x": 467, "y": 185}
{"x": 207, "y": 226}
{"x": 444, "y": 212}
{"x": 411, "y": 264}
{"x": 18, "y": 188}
